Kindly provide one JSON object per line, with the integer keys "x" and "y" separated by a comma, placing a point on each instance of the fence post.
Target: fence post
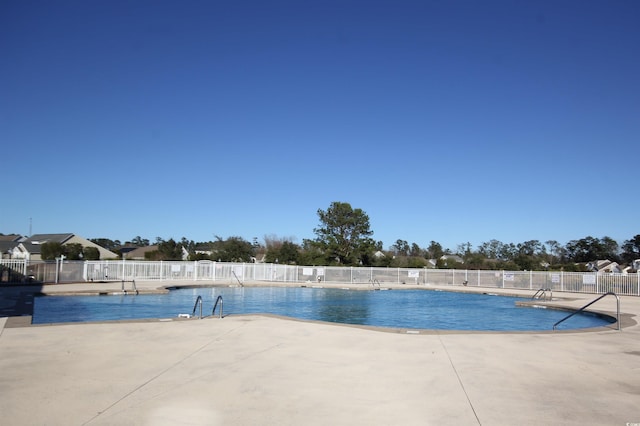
{"x": 530, "y": 280}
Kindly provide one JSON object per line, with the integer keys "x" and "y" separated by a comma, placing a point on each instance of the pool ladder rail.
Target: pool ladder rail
{"x": 610, "y": 293}
{"x": 542, "y": 294}
{"x": 375, "y": 282}
{"x": 199, "y": 304}
{"x": 133, "y": 287}
{"x": 213, "y": 312}
{"x": 240, "y": 283}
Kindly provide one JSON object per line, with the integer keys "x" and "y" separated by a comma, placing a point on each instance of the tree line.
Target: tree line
{"x": 344, "y": 237}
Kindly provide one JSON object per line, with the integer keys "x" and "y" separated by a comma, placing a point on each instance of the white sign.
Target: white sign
{"x": 555, "y": 278}
{"x": 508, "y": 276}
{"x": 307, "y": 271}
{"x": 414, "y": 274}
{"x": 588, "y": 279}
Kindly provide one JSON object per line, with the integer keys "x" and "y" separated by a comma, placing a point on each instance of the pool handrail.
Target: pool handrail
{"x": 133, "y": 286}
{"x": 198, "y": 301}
{"x": 373, "y": 282}
{"x": 219, "y": 299}
{"x": 542, "y": 293}
{"x": 237, "y": 279}
{"x": 609, "y": 293}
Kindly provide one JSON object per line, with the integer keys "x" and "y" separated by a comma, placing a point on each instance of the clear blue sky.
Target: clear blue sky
{"x": 452, "y": 121}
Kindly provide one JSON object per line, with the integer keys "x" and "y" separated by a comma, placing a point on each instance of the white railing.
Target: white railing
{"x": 128, "y": 270}
{"x": 12, "y": 270}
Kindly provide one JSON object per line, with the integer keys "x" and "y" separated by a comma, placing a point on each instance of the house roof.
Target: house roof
{"x": 31, "y": 248}
{"x": 128, "y": 249}
{"x": 5, "y": 246}
{"x": 34, "y": 243}
{"x": 48, "y": 238}
{"x": 139, "y": 252}
{"x": 10, "y": 238}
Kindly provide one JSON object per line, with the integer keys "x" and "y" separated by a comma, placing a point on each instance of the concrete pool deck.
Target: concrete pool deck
{"x": 248, "y": 370}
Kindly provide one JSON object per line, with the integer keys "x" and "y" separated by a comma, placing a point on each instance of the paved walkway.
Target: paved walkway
{"x": 262, "y": 370}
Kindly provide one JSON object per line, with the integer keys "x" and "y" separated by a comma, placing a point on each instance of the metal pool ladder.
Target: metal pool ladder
{"x": 198, "y": 302}
{"x": 237, "y": 279}
{"x": 542, "y": 293}
{"x": 373, "y": 282}
{"x": 219, "y": 299}
{"x": 133, "y": 286}
{"x": 591, "y": 303}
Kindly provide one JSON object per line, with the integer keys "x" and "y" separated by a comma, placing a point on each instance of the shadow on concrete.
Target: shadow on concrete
{"x": 16, "y": 302}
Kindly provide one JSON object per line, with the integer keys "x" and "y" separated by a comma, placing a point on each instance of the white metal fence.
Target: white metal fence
{"x": 221, "y": 272}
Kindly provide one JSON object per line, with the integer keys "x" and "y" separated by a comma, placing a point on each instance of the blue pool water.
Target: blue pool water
{"x": 413, "y": 309}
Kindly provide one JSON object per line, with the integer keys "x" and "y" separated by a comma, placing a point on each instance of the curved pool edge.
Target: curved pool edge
{"x": 429, "y": 331}
{"x": 626, "y": 319}
{"x": 561, "y": 301}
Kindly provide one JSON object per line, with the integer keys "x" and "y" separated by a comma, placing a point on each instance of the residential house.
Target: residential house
{"x": 451, "y": 258}
{"x": 31, "y": 248}
{"x": 203, "y": 248}
{"x": 125, "y": 250}
{"x": 602, "y": 266}
{"x": 140, "y": 253}
{"x": 379, "y": 254}
{"x": 8, "y": 243}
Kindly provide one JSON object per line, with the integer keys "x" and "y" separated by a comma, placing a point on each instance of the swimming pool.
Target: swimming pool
{"x": 411, "y": 309}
